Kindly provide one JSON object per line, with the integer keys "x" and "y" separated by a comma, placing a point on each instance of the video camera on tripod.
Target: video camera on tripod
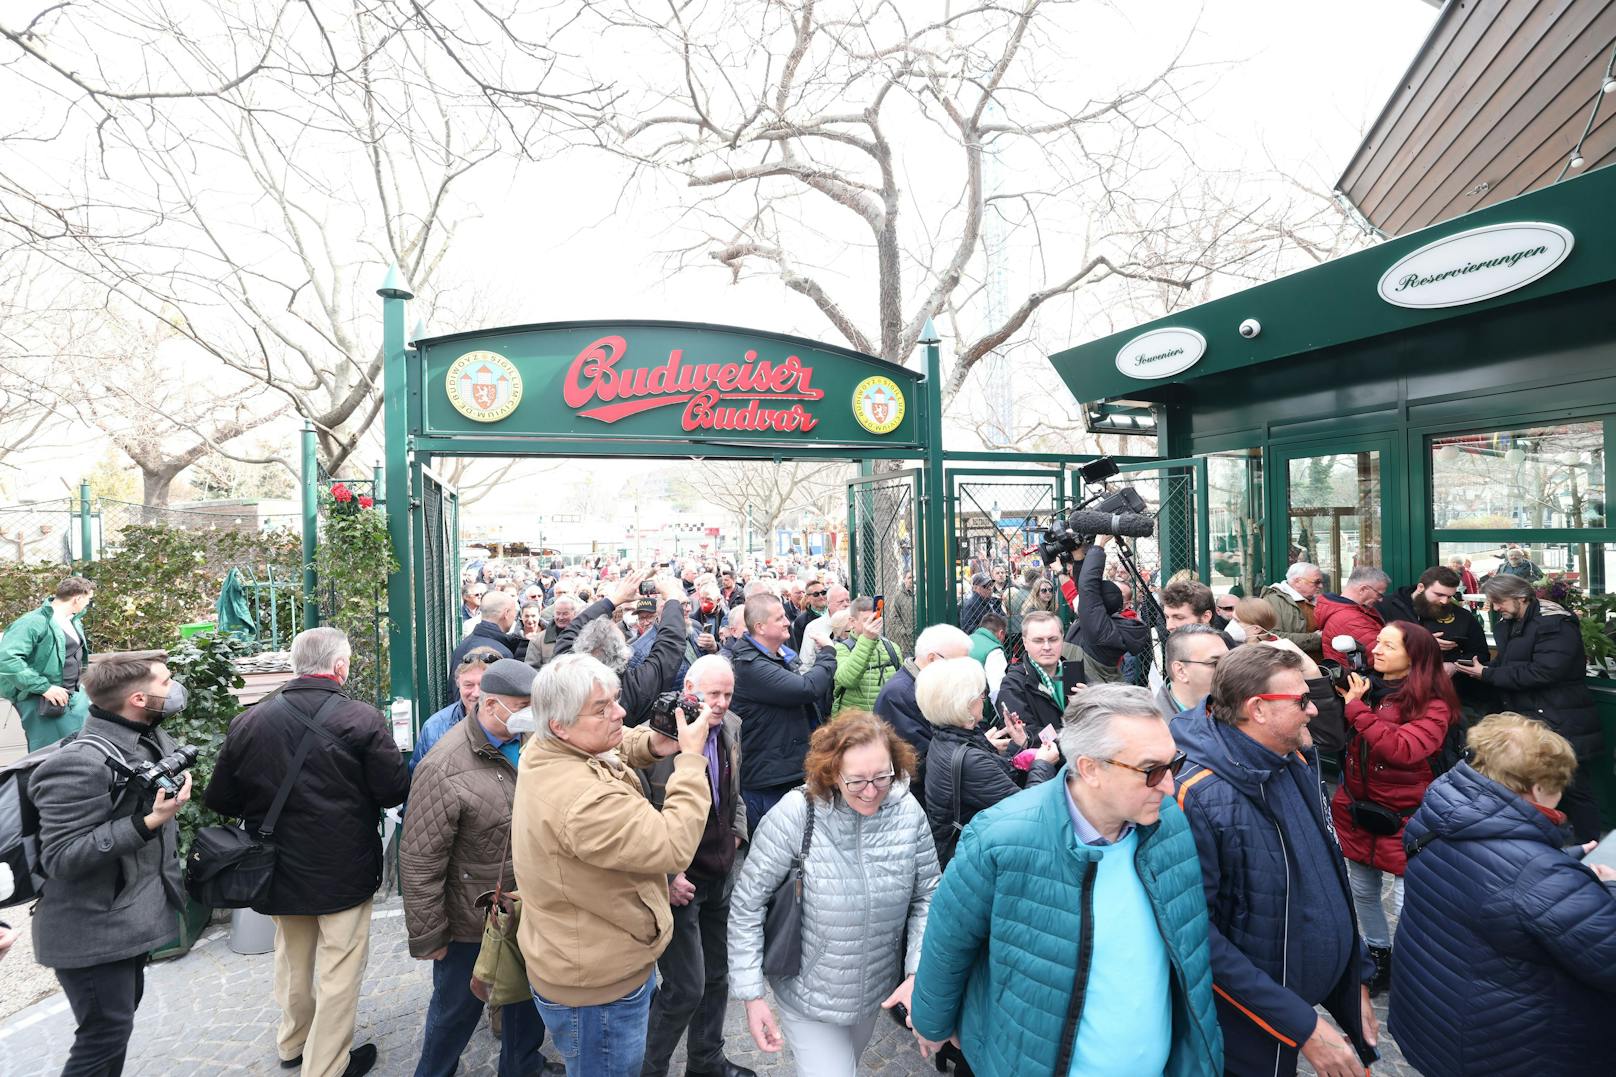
{"x": 1117, "y": 512}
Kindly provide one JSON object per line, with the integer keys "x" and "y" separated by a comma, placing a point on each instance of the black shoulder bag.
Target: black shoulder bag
{"x": 782, "y": 920}
{"x": 230, "y": 869}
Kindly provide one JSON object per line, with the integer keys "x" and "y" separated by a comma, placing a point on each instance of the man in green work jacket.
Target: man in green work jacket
{"x": 41, "y": 656}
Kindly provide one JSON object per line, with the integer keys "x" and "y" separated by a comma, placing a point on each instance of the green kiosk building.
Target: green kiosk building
{"x": 1440, "y": 395}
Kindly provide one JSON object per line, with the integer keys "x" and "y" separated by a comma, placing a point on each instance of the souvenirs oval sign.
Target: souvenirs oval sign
{"x": 1479, "y": 264}
{"x": 1161, "y": 353}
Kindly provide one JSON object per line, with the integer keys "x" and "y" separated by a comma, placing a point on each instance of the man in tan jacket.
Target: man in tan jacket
{"x": 593, "y": 857}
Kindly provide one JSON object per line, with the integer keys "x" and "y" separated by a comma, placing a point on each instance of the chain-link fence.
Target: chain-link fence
{"x": 996, "y": 521}
{"x": 40, "y": 531}
{"x": 883, "y": 537}
{"x": 111, "y": 520}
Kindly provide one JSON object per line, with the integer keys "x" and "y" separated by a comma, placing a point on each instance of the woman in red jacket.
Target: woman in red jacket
{"x": 1387, "y": 770}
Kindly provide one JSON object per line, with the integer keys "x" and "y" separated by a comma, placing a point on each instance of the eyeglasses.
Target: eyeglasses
{"x": 487, "y": 658}
{"x": 858, "y": 785}
{"x": 1213, "y": 662}
{"x": 1153, "y": 775}
{"x": 1283, "y": 697}
{"x": 815, "y": 594}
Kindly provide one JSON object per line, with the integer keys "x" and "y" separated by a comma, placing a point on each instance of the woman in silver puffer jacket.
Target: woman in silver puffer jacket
{"x": 869, "y": 877}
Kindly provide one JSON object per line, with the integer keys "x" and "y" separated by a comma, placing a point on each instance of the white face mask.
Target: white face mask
{"x": 521, "y": 721}
{"x": 1236, "y": 631}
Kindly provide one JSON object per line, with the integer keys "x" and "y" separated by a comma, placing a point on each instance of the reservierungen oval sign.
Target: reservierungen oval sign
{"x": 1479, "y": 264}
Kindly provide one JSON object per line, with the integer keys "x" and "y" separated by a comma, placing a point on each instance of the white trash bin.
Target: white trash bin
{"x": 251, "y": 932}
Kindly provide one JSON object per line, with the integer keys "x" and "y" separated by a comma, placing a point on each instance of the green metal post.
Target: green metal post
{"x": 395, "y": 294}
{"x": 86, "y": 534}
{"x": 376, "y": 490}
{"x": 1203, "y": 523}
{"x": 933, "y": 504}
{"x": 311, "y": 526}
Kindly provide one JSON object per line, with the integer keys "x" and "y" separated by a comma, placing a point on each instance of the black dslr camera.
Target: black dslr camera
{"x": 664, "y": 707}
{"x": 167, "y": 774}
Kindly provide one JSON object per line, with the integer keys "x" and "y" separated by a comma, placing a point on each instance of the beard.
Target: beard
{"x": 1422, "y": 607}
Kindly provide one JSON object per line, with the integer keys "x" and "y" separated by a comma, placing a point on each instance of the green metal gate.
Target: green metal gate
{"x": 436, "y": 517}
{"x": 994, "y": 516}
{"x": 884, "y": 549}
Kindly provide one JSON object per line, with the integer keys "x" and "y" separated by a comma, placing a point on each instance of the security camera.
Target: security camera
{"x": 1250, "y": 328}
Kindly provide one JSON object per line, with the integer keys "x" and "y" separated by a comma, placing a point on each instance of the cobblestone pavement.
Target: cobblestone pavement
{"x": 213, "y": 1012}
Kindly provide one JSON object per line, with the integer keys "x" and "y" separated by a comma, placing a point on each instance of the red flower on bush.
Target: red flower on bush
{"x": 366, "y": 502}
{"x": 341, "y": 494}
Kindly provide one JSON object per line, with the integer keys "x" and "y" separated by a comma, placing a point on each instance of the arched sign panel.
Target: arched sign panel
{"x": 663, "y": 381}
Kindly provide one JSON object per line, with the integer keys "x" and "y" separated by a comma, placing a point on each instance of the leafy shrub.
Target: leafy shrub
{"x": 202, "y": 664}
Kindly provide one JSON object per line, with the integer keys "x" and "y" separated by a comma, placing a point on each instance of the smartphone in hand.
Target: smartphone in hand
{"x": 880, "y": 605}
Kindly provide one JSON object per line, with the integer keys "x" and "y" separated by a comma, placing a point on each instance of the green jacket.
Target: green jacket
{"x": 31, "y": 655}
{"x": 862, "y": 671}
{"x": 984, "y": 643}
{"x": 1291, "y": 622}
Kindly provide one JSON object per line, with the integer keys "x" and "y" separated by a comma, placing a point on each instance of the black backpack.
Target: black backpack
{"x": 19, "y": 821}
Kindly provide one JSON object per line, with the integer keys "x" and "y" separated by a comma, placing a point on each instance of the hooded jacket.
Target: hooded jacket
{"x": 1291, "y": 618}
{"x": 867, "y": 880}
{"x": 1104, "y": 633}
{"x": 637, "y": 687}
{"x": 1388, "y": 762}
{"x": 1506, "y": 949}
{"x": 1341, "y": 616}
{"x": 1248, "y": 873}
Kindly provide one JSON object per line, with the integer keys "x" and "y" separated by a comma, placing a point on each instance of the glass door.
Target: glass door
{"x": 1331, "y": 501}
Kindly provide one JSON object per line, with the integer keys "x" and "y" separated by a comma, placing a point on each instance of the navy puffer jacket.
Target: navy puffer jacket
{"x": 1506, "y": 950}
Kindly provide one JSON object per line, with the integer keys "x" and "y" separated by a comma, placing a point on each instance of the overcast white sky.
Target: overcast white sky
{"x": 1296, "y": 85}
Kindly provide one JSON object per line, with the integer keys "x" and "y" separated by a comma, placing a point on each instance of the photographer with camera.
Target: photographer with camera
{"x": 109, "y": 845}
{"x": 1103, "y": 635}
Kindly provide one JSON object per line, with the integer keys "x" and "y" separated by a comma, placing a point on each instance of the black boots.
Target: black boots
{"x": 1383, "y": 970}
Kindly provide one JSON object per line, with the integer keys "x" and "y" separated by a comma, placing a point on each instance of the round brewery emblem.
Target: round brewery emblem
{"x": 878, "y": 405}
{"x": 484, "y": 386}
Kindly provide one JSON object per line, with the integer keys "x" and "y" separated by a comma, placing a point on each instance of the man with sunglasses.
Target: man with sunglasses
{"x": 1284, "y": 937}
{"x": 816, "y": 598}
{"x": 1093, "y": 881}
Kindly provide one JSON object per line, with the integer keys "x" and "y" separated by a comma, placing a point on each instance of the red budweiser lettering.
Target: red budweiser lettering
{"x": 700, "y": 387}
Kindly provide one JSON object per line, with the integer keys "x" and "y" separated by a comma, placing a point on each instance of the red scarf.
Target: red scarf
{"x": 1554, "y": 815}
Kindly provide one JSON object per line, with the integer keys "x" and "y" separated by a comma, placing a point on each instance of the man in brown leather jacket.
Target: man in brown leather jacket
{"x": 457, "y": 845}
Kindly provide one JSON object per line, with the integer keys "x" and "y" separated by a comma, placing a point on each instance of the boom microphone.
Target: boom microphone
{"x": 1127, "y": 524}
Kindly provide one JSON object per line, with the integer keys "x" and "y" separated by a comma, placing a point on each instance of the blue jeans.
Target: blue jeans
{"x": 454, "y": 1012}
{"x": 601, "y": 1041}
{"x": 759, "y": 801}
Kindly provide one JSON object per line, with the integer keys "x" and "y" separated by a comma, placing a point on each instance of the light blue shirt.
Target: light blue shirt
{"x": 1086, "y": 833}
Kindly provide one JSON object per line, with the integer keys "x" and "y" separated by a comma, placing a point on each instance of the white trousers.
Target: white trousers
{"x": 825, "y": 1050}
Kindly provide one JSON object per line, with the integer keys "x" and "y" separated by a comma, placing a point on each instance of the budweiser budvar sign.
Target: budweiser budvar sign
{"x": 723, "y": 395}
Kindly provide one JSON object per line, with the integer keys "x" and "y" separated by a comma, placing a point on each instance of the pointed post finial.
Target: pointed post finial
{"x": 418, "y": 333}
{"x": 928, "y": 333}
{"x": 394, "y": 286}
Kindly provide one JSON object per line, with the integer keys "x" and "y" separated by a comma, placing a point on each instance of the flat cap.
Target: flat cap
{"x": 508, "y": 677}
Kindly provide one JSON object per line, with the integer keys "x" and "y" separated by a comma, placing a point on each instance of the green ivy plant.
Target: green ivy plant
{"x": 203, "y": 664}
{"x": 354, "y": 560}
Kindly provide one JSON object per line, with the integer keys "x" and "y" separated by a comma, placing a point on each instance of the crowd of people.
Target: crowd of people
{"x": 1046, "y": 839}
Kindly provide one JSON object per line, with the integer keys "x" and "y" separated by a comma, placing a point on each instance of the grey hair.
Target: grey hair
{"x": 932, "y": 640}
{"x": 495, "y": 603}
{"x": 736, "y": 618}
{"x": 1300, "y": 569}
{"x": 603, "y": 641}
{"x": 1086, "y": 728}
{"x": 318, "y": 650}
{"x": 564, "y": 685}
{"x": 949, "y": 692}
{"x": 567, "y": 601}
{"x": 1368, "y": 574}
{"x": 704, "y": 665}
{"x": 1180, "y": 640}
{"x": 1504, "y": 585}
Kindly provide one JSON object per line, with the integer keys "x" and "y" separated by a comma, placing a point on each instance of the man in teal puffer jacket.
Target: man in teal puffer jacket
{"x": 1077, "y": 906}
